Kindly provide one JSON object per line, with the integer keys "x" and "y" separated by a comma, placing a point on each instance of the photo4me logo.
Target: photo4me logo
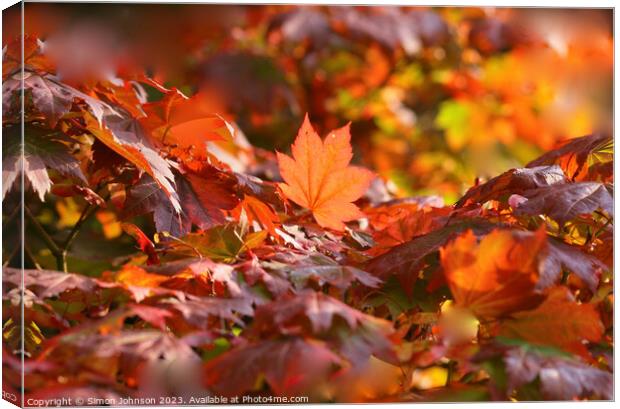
{"x": 11, "y": 397}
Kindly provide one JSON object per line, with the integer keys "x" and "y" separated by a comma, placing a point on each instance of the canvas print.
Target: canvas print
{"x": 262, "y": 204}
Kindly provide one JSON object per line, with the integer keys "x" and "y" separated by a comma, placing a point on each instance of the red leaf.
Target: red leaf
{"x": 290, "y": 367}
{"x": 563, "y": 256}
{"x": 310, "y": 312}
{"x": 514, "y": 181}
{"x": 406, "y": 260}
{"x": 42, "y": 149}
{"x": 567, "y": 201}
{"x": 561, "y": 378}
{"x": 144, "y": 243}
{"x": 126, "y": 137}
{"x": 573, "y": 155}
{"x": 213, "y": 189}
{"x": 47, "y": 283}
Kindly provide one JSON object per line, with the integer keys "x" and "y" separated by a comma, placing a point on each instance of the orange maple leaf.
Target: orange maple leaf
{"x": 185, "y": 122}
{"x": 497, "y": 276}
{"x": 318, "y": 176}
{"x": 549, "y": 323}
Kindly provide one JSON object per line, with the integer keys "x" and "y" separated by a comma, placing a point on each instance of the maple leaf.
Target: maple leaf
{"x": 41, "y": 149}
{"x": 217, "y": 277}
{"x": 547, "y": 325}
{"x": 355, "y": 335}
{"x": 54, "y": 99}
{"x": 406, "y": 223}
{"x": 203, "y": 208}
{"x": 566, "y": 201}
{"x": 199, "y": 311}
{"x": 213, "y": 189}
{"x": 144, "y": 243}
{"x": 69, "y": 190}
{"x": 601, "y": 172}
{"x": 384, "y": 213}
{"x": 146, "y": 196}
{"x": 407, "y": 259}
{"x": 10, "y": 86}
{"x": 155, "y": 316}
{"x": 136, "y": 276}
{"x": 126, "y": 137}
{"x": 563, "y": 256}
{"x": 497, "y": 276}
{"x": 220, "y": 243}
{"x": 283, "y": 315}
{"x": 323, "y": 270}
{"x": 319, "y": 178}
{"x": 205, "y": 278}
{"x": 133, "y": 354}
{"x": 184, "y": 122}
{"x": 573, "y": 155}
{"x": 561, "y": 377}
{"x": 514, "y": 181}
{"x": 289, "y": 366}
{"x": 47, "y": 283}
{"x": 297, "y": 306}
{"x": 560, "y": 256}
{"x": 253, "y": 273}
{"x": 257, "y": 211}
{"x": 30, "y": 57}
{"x": 267, "y": 192}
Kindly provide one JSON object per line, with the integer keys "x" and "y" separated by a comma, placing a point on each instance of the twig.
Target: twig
{"x": 86, "y": 213}
{"x": 10, "y": 217}
{"x": 61, "y": 252}
{"x": 49, "y": 242}
{"x": 30, "y": 256}
{"x": 11, "y": 255}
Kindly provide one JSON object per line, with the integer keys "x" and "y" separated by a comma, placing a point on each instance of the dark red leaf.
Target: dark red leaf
{"x": 565, "y": 202}
{"x": 405, "y": 261}
{"x": 514, "y": 181}
{"x": 289, "y": 366}
{"x": 561, "y": 378}
{"x": 573, "y": 155}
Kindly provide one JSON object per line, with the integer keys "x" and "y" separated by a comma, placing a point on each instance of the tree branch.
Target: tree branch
{"x": 66, "y": 245}
{"x": 49, "y": 242}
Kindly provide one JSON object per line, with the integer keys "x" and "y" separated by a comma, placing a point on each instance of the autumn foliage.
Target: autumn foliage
{"x": 168, "y": 257}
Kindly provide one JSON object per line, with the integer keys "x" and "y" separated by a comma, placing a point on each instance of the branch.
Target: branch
{"x": 49, "y": 242}
{"x": 86, "y": 213}
{"x": 28, "y": 253}
{"x": 66, "y": 245}
{"x": 9, "y": 218}
{"x": 11, "y": 255}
